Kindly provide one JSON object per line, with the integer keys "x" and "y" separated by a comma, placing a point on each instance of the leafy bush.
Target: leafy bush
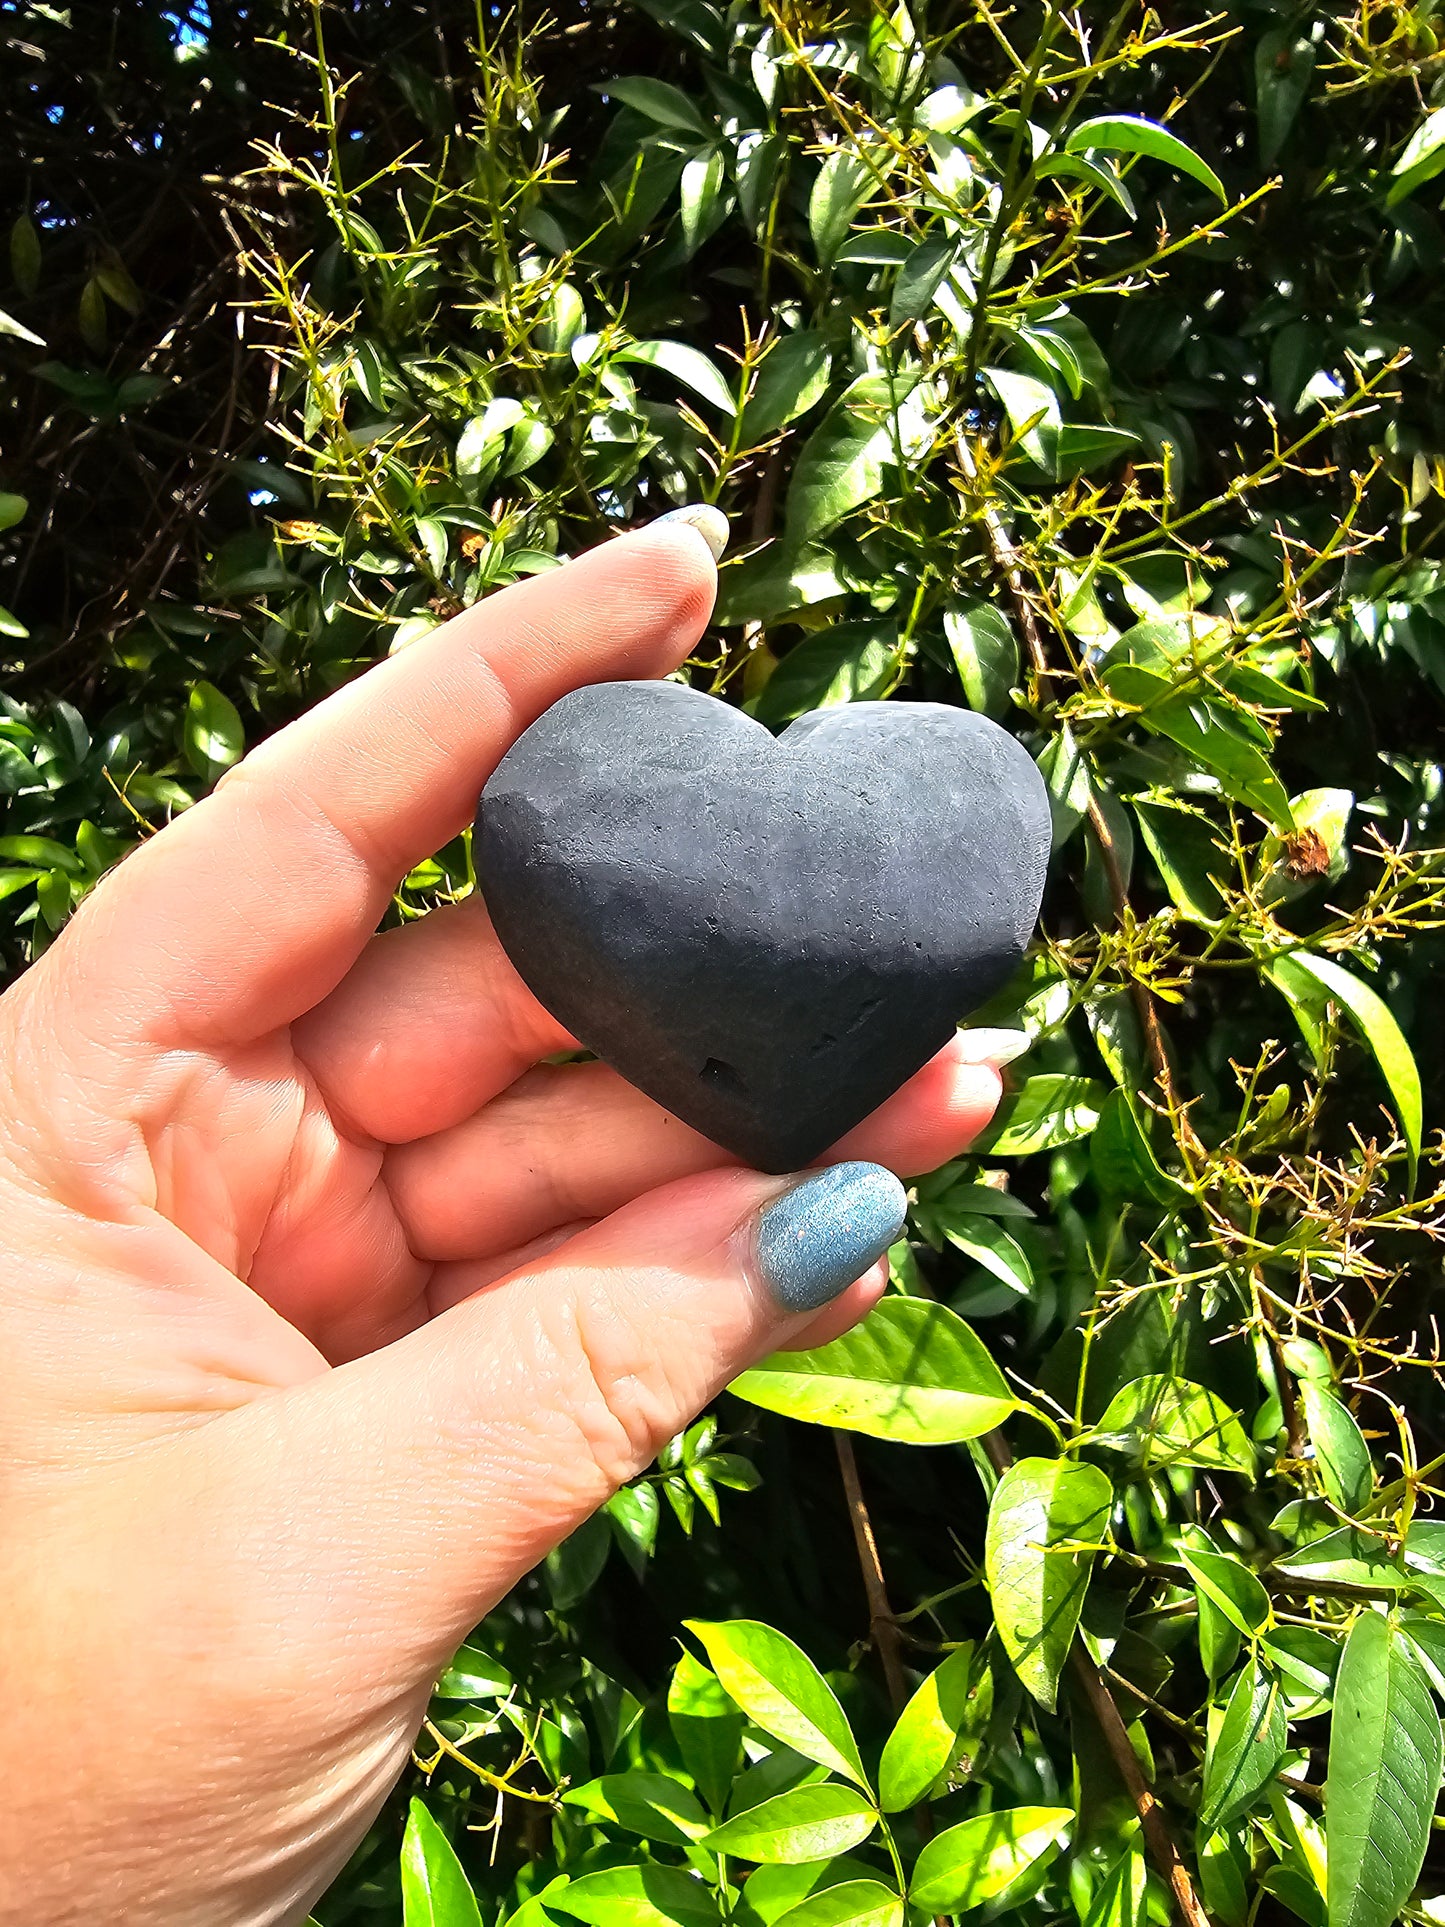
{"x": 1083, "y": 372}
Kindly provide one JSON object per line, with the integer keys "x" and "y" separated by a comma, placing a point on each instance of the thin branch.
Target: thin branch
{"x": 881, "y": 1623}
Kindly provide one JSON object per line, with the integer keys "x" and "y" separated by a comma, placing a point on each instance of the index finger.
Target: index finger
{"x": 247, "y": 910}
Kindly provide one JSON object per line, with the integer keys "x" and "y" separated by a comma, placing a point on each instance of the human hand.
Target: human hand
{"x": 327, "y": 1308}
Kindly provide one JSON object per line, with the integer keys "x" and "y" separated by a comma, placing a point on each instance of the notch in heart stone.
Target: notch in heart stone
{"x": 767, "y": 935}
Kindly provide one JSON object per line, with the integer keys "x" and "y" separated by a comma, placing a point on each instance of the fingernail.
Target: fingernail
{"x": 995, "y": 1047}
{"x": 812, "y": 1242}
{"x": 710, "y": 523}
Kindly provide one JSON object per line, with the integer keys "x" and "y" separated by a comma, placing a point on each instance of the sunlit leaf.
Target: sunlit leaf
{"x": 1311, "y": 983}
{"x": 810, "y": 1823}
{"x": 1384, "y": 1775}
{"x": 912, "y": 1371}
{"x": 651, "y": 1804}
{"x": 434, "y": 1889}
{"x": 1130, "y": 134}
{"x": 1170, "y": 1421}
{"x": 782, "y": 1691}
{"x": 982, "y": 1858}
{"x": 920, "y": 1747}
{"x": 1042, "y": 1509}
{"x": 1246, "y": 1751}
{"x": 842, "y": 462}
{"x": 644, "y": 1895}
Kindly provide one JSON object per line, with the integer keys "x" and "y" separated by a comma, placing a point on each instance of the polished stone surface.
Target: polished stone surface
{"x": 767, "y": 935}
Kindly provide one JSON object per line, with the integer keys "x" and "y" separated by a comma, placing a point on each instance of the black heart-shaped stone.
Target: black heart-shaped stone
{"x": 767, "y": 935}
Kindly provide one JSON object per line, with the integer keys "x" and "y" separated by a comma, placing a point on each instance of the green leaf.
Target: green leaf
{"x": 1427, "y": 1638}
{"x": 479, "y": 446}
{"x": 1206, "y": 730}
{"x": 1032, "y": 408}
{"x": 1039, "y": 1509}
{"x": 39, "y": 852}
{"x": 920, "y": 1747}
{"x": 912, "y": 1371}
{"x": 434, "y": 1890}
{"x": 700, "y": 198}
{"x": 1232, "y": 1587}
{"x": 658, "y": 100}
{"x": 982, "y": 1858}
{"x": 1383, "y": 1777}
{"x": 13, "y": 509}
{"x": 1422, "y": 159}
{"x": 431, "y": 536}
{"x": 1284, "y": 65}
{"x": 574, "y": 1567}
{"x": 1123, "y": 1160}
{"x": 212, "y": 736}
{"x": 1000, "y": 1254}
{"x": 1171, "y": 1421}
{"x": 782, "y": 1691}
{"x": 792, "y": 379}
{"x": 17, "y": 329}
{"x": 708, "y": 1729}
{"x": 1065, "y": 772}
{"x": 774, "y": 1891}
{"x": 645, "y": 1895}
{"x": 473, "y": 1675}
{"x": 918, "y": 280}
{"x": 1130, "y": 134}
{"x": 783, "y": 579}
{"x": 1322, "y": 820}
{"x": 843, "y": 183}
{"x": 25, "y": 255}
{"x": 1247, "y": 1749}
{"x": 985, "y": 653}
{"x": 850, "y": 1903}
{"x": 1045, "y": 1111}
{"x": 1358, "y": 1558}
{"x": 651, "y": 1804}
{"x": 851, "y": 662}
{"x": 810, "y": 1823}
{"x": 1307, "y": 1657}
{"x": 1100, "y": 175}
{"x": 1189, "y": 859}
{"x": 842, "y": 462}
{"x": 1341, "y": 1454}
{"x": 1119, "y": 1899}
{"x": 690, "y": 366}
{"x": 1309, "y": 984}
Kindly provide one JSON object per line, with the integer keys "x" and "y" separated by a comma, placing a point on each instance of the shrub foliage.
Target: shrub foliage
{"x": 1079, "y": 367}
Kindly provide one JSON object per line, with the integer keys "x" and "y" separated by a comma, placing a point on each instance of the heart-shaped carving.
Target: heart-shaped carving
{"x": 767, "y": 935}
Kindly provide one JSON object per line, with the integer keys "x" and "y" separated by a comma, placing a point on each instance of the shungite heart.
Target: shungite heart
{"x": 766, "y": 935}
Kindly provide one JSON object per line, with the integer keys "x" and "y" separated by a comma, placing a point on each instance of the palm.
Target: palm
{"x": 357, "y": 1132}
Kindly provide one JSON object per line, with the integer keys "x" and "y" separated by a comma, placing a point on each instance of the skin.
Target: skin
{"x": 326, "y": 1309}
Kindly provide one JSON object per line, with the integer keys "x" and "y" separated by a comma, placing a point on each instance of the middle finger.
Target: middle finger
{"x": 575, "y": 1141}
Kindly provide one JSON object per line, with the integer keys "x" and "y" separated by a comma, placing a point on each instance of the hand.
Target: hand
{"x": 327, "y": 1308}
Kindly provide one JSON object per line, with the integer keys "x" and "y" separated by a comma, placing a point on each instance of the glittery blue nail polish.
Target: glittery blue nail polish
{"x": 817, "y": 1238}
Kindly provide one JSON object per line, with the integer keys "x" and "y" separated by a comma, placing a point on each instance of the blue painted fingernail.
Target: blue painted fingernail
{"x": 817, "y": 1238}
{"x": 710, "y": 523}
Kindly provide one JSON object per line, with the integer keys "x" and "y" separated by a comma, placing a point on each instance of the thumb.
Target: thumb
{"x": 434, "y": 1474}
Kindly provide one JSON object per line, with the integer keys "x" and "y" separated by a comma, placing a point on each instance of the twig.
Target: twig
{"x": 483, "y": 1773}
{"x": 1151, "y": 1818}
{"x": 881, "y": 1623}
